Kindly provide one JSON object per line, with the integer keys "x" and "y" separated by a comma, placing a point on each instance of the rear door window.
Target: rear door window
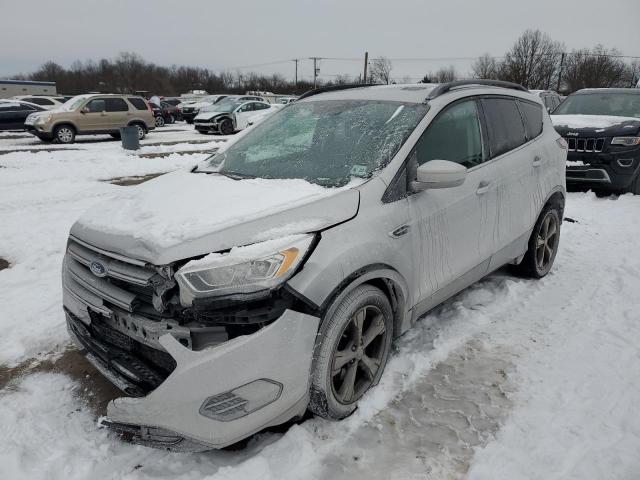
{"x": 504, "y": 125}
{"x": 138, "y": 103}
{"x": 532, "y": 114}
{"x": 453, "y": 135}
{"x": 116, "y": 105}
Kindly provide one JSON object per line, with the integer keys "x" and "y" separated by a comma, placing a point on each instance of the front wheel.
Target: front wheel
{"x": 351, "y": 352}
{"x": 543, "y": 244}
{"x": 226, "y": 127}
{"x": 64, "y": 134}
{"x": 159, "y": 121}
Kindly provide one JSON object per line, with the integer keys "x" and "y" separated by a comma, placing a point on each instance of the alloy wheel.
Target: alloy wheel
{"x": 140, "y": 132}
{"x": 546, "y": 241}
{"x": 359, "y": 354}
{"x": 65, "y": 135}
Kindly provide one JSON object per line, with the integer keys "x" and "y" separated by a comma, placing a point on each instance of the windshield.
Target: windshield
{"x": 324, "y": 142}
{"x": 615, "y": 104}
{"x": 73, "y": 103}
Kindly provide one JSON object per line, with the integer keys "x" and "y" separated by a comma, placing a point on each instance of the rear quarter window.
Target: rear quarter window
{"x": 504, "y": 125}
{"x": 138, "y": 103}
{"x": 532, "y": 115}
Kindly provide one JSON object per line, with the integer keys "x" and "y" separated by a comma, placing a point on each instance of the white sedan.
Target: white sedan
{"x": 229, "y": 117}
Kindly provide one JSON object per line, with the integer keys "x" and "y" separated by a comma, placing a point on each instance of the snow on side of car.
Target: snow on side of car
{"x": 589, "y": 121}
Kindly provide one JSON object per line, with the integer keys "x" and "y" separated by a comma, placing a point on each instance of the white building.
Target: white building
{"x": 11, "y": 88}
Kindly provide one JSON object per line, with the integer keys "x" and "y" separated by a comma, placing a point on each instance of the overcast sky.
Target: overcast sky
{"x": 241, "y": 33}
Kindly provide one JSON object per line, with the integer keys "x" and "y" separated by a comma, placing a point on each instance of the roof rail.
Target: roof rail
{"x": 333, "y": 88}
{"x": 446, "y": 87}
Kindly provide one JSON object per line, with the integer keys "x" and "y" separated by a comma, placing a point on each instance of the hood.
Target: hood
{"x": 596, "y": 125}
{"x": 210, "y": 115}
{"x": 183, "y": 214}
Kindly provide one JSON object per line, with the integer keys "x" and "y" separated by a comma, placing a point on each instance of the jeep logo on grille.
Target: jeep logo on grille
{"x": 572, "y": 134}
{"x": 98, "y": 269}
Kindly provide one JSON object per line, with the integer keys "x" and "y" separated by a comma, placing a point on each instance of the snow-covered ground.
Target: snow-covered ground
{"x": 511, "y": 379}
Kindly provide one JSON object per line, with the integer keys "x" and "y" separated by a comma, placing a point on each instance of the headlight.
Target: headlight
{"x": 43, "y": 119}
{"x": 626, "y": 141}
{"x": 244, "y": 270}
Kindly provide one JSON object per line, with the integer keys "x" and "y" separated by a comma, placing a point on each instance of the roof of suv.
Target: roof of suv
{"x": 407, "y": 93}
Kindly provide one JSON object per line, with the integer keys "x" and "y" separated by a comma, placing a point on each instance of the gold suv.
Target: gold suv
{"x": 92, "y": 114}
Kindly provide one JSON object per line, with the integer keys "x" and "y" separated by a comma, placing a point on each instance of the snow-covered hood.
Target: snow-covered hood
{"x": 182, "y": 215}
{"x": 210, "y": 114}
{"x": 601, "y": 125}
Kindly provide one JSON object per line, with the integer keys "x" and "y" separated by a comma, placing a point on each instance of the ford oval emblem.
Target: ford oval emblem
{"x": 98, "y": 269}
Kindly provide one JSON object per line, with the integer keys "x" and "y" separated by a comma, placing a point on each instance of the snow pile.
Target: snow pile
{"x": 589, "y": 121}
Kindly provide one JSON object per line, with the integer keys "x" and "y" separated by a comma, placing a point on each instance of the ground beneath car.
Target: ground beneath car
{"x": 511, "y": 379}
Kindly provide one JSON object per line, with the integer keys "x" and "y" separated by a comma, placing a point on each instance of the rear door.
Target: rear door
{"x": 516, "y": 161}
{"x": 9, "y": 116}
{"x": 117, "y": 113}
{"x": 453, "y": 228}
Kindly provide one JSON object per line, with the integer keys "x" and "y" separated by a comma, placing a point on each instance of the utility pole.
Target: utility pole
{"x": 295, "y": 60}
{"x": 560, "y": 72}
{"x": 366, "y": 61}
{"x": 315, "y": 70}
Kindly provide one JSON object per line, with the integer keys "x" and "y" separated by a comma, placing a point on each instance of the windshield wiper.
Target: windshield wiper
{"x": 235, "y": 175}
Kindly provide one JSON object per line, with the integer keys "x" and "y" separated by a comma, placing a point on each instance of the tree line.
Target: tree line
{"x": 535, "y": 61}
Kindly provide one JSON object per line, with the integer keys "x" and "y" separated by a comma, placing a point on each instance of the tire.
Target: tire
{"x": 226, "y": 127}
{"x": 142, "y": 131}
{"x": 64, "y": 134}
{"x": 159, "y": 121}
{"x": 635, "y": 185}
{"x": 543, "y": 244}
{"x": 342, "y": 372}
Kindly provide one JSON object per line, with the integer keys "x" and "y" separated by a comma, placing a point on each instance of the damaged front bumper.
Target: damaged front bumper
{"x": 213, "y": 397}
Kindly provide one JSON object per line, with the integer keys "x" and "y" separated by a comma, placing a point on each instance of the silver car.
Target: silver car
{"x": 273, "y": 277}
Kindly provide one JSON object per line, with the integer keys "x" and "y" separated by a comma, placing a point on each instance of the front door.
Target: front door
{"x": 453, "y": 228}
{"x": 243, "y": 114}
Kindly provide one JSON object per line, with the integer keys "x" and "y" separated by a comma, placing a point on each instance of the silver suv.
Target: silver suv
{"x": 273, "y": 277}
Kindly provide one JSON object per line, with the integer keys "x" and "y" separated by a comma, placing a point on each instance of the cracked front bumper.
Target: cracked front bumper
{"x": 170, "y": 416}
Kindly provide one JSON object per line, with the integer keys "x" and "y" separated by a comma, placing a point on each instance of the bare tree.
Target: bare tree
{"x": 381, "y": 70}
{"x": 444, "y": 75}
{"x": 533, "y": 61}
{"x": 598, "y": 67}
{"x": 486, "y": 67}
{"x": 634, "y": 73}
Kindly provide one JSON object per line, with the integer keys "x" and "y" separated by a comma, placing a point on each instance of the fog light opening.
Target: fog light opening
{"x": 241, "y": 401}
{"x": 625, "y": 162}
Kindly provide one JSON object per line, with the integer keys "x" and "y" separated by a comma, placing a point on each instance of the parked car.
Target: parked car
{"x": 550, "y": 99}
{"x": 47, "y": 102}
{"x": 163, "y": 113}
{"x": 228, "y": 117}
{"x": 286, "y": 100}
{"x": 602, "y": 129}
{"x": 188, "y": 111}
{"x": 13, "y": 113}
{"x": 272, "y": 278}
{"x": 92, "y": 114}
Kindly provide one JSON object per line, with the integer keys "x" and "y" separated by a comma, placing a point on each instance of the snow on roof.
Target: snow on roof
{"x": 412, "y": 93}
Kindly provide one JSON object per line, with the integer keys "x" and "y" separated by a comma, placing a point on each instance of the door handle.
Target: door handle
{"x": 537, "y": 161}
{"x": 483, "y": 187}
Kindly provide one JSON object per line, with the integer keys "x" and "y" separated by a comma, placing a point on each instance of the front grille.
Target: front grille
{"x": 588, "y": 145}
{"x": 128, "y": 286}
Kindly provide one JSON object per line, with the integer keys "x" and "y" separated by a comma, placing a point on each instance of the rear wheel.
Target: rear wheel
{"x": 142, "y": 131}
{"x": 226, "y": 127}
{"x": 64, "y": 134}
{"x": 543, "y": 244}
{"x": 351, "y": 352}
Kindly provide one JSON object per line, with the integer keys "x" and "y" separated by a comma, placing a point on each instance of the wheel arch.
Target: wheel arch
{"x": 382, "y": 276}
{"x": 558, "y": 197}
{"x": 64, "y": 123}
{"x": 142, "y": 123}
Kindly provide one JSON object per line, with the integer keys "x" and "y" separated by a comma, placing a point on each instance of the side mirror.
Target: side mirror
{"x": 439, "y": 174}
{"x": 85, "y": 110}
